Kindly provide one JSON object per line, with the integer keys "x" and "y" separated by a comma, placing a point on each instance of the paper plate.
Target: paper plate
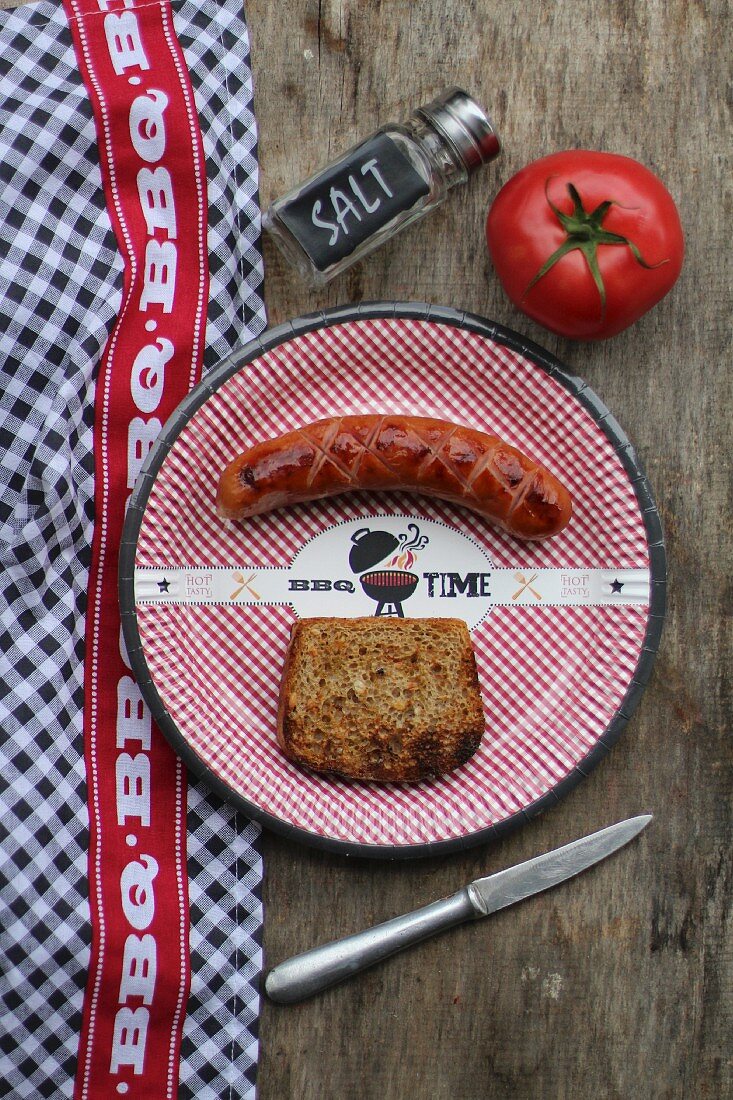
{"x": 564, "y": 631}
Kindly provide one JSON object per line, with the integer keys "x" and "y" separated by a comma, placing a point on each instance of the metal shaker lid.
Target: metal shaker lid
{"x": 465, "y": 125}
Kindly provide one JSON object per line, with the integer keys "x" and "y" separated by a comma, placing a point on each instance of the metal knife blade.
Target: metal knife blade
{"x": 516, "y": 883}
{"x": 309, "y": 973}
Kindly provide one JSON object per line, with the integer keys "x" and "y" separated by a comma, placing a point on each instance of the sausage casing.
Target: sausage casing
{"x": 419, "y": 454}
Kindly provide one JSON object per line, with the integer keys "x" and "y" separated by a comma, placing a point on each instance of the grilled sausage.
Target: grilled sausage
{"x": 342, "y": 454}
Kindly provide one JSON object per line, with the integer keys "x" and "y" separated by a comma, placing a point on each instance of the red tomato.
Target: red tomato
{"x": 585, "y": 243}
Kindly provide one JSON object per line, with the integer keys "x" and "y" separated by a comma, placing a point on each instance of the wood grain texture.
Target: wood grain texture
{"x": 620, "y": 984}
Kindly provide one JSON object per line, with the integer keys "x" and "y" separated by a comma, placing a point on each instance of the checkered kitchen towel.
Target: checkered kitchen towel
{"x": 63, "y": 284}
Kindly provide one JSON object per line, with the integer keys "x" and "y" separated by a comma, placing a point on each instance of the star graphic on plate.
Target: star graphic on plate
{"x": 616, "y": 585}
{"x": 164, "y": 585}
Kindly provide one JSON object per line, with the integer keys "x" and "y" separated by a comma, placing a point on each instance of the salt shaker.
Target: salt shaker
{"x": 381, "y": 185}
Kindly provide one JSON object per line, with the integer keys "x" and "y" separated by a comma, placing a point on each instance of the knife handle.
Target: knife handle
{"x": 323, "y": 966}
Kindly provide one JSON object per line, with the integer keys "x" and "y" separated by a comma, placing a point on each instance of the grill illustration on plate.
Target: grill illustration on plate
{"x": 390, "y": 588}
{"x": 391, "y": 585}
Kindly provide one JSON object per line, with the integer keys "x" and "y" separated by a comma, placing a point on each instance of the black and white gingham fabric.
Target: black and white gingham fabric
{"x": 60, "y": 288}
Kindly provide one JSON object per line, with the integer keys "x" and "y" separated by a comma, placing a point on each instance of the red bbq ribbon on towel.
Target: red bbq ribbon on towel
{"x": 155, "y": 184}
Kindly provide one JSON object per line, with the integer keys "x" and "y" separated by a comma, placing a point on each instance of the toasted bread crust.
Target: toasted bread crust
{"x": 341, "y": 712}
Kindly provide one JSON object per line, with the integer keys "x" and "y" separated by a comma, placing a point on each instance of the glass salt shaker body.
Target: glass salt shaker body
{"x": 381, "y": 185}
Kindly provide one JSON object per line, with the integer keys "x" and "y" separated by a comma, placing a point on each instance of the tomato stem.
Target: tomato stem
{"x": 585, "y": 233}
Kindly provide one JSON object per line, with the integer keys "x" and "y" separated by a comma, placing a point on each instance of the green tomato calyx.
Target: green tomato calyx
{"x": 585, "y": 232}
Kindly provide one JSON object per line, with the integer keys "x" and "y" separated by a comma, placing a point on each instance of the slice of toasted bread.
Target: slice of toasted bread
{"x": 381, "y": 699}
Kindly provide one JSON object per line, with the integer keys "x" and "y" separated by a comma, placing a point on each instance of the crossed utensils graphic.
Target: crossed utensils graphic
{"x": 239, "y": 578}
{"x": 526, "y": 586}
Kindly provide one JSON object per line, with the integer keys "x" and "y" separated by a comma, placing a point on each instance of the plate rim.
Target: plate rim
{"x": 454, "y": 318}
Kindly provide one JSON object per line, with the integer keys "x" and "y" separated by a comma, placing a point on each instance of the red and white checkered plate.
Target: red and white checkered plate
{"x": 564, "y": 631}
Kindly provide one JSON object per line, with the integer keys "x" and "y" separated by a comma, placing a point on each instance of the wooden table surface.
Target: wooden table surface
{"x": 618, "y": 985}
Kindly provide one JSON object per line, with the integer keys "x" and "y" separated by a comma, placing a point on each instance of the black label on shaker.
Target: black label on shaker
{"x": 350, "y": 201}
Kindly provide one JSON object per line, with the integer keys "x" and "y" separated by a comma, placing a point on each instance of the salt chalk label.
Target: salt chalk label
{"x": 348, "y": 202}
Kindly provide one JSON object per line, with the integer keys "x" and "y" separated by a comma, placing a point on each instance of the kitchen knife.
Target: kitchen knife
{"x": 321, "y": 967}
